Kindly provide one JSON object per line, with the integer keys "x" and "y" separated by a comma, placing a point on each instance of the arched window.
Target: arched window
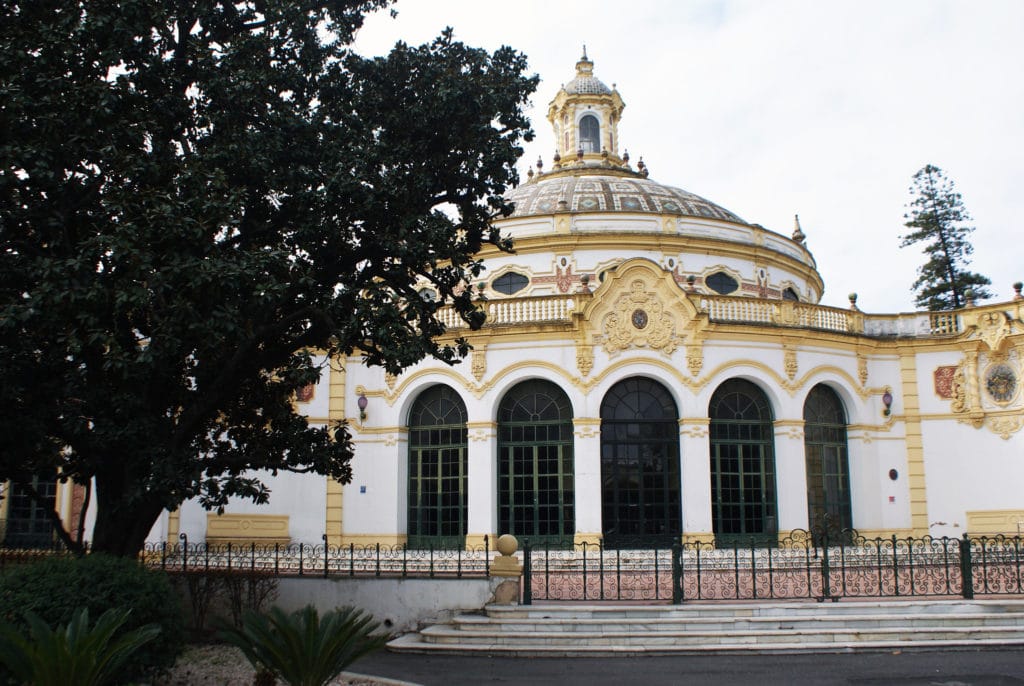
{"x": 590, "y": 134}
{"x": 790, "y": 294}
{"x": 742, "y": 465}
{"x": 535, "y": 464}
{"x": 828, "y": 469}
{"x": 640, "y": 500}
{"x": 437, "y": 469}
{"x": 510, "y": 282}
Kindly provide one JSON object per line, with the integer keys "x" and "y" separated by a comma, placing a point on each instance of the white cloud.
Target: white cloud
{"x": 769, "y": 109}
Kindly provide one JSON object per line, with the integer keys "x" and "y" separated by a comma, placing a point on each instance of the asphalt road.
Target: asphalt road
{"x": 945, "y": 668}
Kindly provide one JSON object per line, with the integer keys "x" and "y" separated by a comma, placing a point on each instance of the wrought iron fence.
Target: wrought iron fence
{"x": 801, "y": 566}
{"x": 303, "y": 559}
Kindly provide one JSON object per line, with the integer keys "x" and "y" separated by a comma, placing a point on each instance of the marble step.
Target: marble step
{"x": 784, "y": 627}
{"x": 757, "y": 609}
{"x": 414, "y": 643}
{"x": 471, "y": 623}
{"x": 449, "y": 634}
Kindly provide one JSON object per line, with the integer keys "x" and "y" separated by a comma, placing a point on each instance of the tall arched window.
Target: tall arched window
{"x": 828, "y": 469}
{"x": 535, "y": 464}
{"x": 742, "y": 465}
{"x": 437, "y": 469}
{"x": 640, "y": 500}
{"x": 590, "y": 133}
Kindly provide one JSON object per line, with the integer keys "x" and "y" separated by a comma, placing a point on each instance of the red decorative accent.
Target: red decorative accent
{"x": 943, "y": 377}
{"x": 305, "y": 393}
{"x": 564, "y": 279}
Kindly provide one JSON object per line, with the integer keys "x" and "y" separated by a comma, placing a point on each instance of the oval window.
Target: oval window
{"x": 720, "y": 282}
{"x": 511, "y": 282}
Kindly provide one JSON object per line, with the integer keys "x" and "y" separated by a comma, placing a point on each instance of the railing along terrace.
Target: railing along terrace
{"x": 511, "y": 311}
{"x": 730, "y": 310}
{"x": 303, "y": 559}
{"x": 801, "y": 566}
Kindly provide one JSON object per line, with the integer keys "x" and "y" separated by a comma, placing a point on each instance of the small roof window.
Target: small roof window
{"x": 720, "y": 282}
{"x": 510, "y": 282}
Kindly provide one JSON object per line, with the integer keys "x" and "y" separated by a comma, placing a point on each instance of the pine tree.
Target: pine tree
{"x": 937, "y": 217}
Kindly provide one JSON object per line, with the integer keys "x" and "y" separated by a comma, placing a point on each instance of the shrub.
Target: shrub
{"x": 301, "y": 648}
{"x": 55, "y": 588}
{"x": 77, "y": 654}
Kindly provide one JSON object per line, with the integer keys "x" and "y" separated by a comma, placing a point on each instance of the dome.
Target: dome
{"x": 587, "y": 85}
{"x": 608, "y": 192}
{"x": 585, "y": 82}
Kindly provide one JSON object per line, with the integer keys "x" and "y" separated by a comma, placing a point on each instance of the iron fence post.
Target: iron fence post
{"x": 826, "y": 572}
{"x": 677, "y": 573}
{"x": 966, "y": 568}
{"x": 527, "y": 574}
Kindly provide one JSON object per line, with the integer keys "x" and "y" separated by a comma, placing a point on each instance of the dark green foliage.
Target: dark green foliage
{"x": 302, "y": 648}
{"x": 55, "y": 588}
{"x": 194, "y": 195}
{"x": 77, "y": 653}
{"x": 937, "y": 217}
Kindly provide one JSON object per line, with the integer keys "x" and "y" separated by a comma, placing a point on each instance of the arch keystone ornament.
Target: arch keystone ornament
{"x": 640, "y": 306}
{"x": 992, "y": 327}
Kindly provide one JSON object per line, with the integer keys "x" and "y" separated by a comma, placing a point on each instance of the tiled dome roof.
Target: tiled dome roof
{"x": 586, "y": 85}
{"x": 610, "y": 193}
{"x": 585, "y": 82}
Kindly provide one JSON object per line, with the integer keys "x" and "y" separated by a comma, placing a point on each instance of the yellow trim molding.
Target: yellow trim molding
{"x": 247, "y": 528}
{"x": 915, "y": 446}
{"x": 990, "y": 522}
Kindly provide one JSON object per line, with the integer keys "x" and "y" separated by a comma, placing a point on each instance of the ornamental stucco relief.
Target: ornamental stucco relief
{"x": 639, "y": 320}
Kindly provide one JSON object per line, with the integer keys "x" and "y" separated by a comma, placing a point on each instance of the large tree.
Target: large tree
{"x": 937, "y": 218}
{"x": 194, "y": 195}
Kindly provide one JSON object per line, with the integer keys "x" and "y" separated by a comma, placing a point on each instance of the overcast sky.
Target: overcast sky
{"x": 772, "y": 108}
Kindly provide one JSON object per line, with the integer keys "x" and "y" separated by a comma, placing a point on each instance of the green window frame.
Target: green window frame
{"x": 743, "y": 489}
{"x": 826, "y": 455}
{"x": 437, "y": 508}
{"x": 640, "y": 470}
{"x": 536, "y": 490}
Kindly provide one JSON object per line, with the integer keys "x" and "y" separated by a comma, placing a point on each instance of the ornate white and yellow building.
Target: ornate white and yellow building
{"x": 653, "y": 369}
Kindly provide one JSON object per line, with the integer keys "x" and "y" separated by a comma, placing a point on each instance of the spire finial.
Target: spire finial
{"x": 584, "y": 51}
{"x": 798, "y": 234}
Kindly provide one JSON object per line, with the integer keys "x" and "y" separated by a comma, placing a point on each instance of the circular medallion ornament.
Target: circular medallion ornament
{"x": 1001, "y": 382}
{"x": 639, "y": 319}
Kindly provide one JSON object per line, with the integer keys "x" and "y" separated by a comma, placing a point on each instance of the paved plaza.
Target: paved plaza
{"x": 940, "y": 668}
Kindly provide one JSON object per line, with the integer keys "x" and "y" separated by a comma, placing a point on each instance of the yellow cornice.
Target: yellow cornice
{"x": 665, "y": 242}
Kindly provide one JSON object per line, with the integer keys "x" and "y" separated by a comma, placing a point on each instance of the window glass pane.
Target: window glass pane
{"x": 535, "y": 462}
{"x": 640, "y": 465}
{"x": 510, "y": 282}
{"x": 590, "y": 134}
{"x": 742, "y": 464}
{"x": 829, "y": 510}
{"x": 720, "y": 282}
{"x": 437, "y": 469}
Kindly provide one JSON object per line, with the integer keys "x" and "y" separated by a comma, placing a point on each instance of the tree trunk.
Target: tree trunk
{"x": 121, "y": 525}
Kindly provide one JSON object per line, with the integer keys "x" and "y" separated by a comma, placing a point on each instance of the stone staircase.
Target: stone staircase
{"x": 702, "y": 628}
